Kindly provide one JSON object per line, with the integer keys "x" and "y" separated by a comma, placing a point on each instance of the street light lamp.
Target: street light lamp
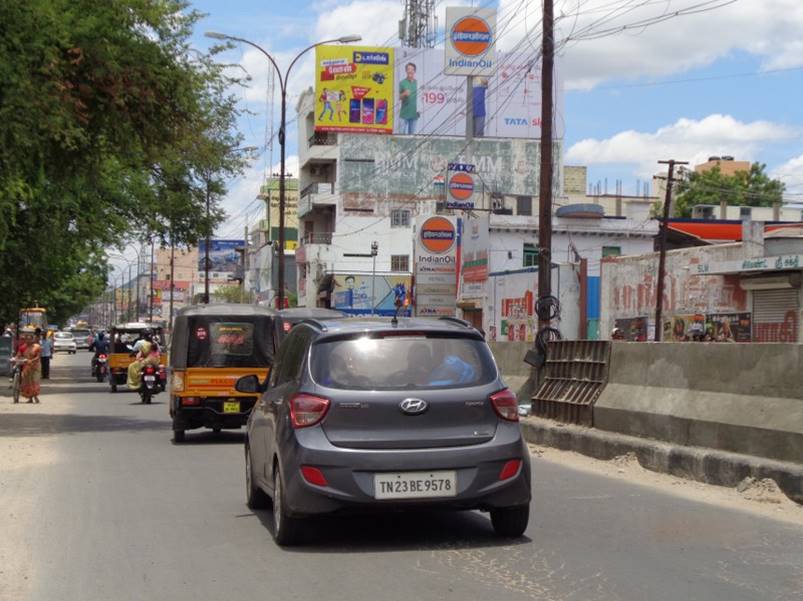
{"x": 346, "y": 39}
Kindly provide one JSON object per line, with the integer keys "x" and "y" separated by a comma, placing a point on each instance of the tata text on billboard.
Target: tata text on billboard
{"x": 354, "y": 89}
{"x": 436, "y": 266}
{"x": 470, "y": 41}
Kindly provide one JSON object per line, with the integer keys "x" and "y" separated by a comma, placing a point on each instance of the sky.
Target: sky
{"x": 724, "y": 80}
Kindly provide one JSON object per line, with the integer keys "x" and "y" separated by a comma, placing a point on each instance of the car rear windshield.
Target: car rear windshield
{"x": 402, "y": 361}
{"x": 80, "y": 333}
{"x": 64, "y": 335}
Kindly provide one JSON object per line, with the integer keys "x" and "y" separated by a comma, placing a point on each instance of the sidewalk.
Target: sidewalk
{"x": 694, "y": 463}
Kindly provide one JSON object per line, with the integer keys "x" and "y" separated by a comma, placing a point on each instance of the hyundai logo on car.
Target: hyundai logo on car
{"x": 413, "y": 406}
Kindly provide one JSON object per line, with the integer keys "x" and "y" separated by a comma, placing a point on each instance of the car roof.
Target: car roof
{"x": 225, "y": 309}
{"x": 334, "y": 327}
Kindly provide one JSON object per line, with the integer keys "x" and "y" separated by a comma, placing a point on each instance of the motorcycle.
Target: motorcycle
{"x": 100, "y": 367}
{"x": 150, "y": 383}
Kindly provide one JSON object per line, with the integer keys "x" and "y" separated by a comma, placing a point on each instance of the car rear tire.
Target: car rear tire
{"x": 510, "y": 522}
{"x": 286, "y": 529}
{"x": 255, "y": 497}
{"x": 178, "y": 436}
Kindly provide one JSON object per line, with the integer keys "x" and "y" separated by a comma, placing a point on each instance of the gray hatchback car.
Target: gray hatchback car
{"x": 364, "y": 414}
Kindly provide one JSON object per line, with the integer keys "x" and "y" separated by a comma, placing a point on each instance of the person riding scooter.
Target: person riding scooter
{"x": 101, "y": 347}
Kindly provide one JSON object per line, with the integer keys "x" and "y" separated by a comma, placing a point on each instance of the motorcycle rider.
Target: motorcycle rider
{"x": 101, "y": 347}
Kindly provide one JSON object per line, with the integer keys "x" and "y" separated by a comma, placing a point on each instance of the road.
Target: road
{"x": 98, "y": 504}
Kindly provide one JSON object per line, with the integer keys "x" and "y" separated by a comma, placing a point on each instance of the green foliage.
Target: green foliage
{"x": 752, "y": 188}
{"x": 233, "y": 294}
{"x": 111, "y": 128}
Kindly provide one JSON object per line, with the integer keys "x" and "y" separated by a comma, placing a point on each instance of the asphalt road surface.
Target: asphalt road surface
{"x": 97, "y": 503}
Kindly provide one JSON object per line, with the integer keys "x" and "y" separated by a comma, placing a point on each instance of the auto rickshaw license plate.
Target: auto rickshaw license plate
{"x": 231, "y": 406}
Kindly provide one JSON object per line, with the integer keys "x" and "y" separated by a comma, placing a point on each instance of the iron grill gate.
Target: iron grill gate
{"x": 576, "y": 371}
{"x": 775, "y": 315}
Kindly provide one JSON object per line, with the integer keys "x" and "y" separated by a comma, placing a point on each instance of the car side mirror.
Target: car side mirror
{"x": 249, "y": 384}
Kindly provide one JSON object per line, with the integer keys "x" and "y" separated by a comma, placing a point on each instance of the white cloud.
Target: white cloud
{"x": 768, "y": 29}
{"x": 791, "y": 173}
{"x": 377, "y": 21}
{"x": 686, "y": 139}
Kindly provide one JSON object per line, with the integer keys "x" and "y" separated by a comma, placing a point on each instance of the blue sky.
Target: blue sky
{"x": 632, "y": 97}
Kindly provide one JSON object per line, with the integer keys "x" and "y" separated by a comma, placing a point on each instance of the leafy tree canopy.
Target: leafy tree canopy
{"x": 111, "y": 128}
{"x": 753, "y": 188}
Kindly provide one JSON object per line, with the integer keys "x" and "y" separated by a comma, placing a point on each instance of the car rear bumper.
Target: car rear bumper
{"x": 350, "y": 475}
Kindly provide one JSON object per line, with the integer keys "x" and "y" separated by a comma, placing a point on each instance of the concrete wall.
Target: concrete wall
{"x": 744, "y": 399}
{"x": 515, "y": 372}
{"x": 629, "y": 285}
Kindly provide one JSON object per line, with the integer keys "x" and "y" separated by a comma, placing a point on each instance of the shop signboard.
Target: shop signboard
{"x": 437, "y": 241}
{"x": 354, "y": 89}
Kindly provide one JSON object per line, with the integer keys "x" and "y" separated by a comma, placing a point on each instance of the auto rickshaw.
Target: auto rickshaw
{"x": 212, "y": 346}
{"x": 120, "y": 338}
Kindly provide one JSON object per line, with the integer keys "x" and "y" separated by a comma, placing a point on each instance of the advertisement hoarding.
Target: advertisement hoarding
{"x": 506, "y": 103}
{"x": 437, "y": 242}
{"x": 354, "y": 89}
{"x": 223, "y": 256}
{"x": 366, "y": 294}
{"x": 476, "y": 243}
{"x": 470, "y": 41}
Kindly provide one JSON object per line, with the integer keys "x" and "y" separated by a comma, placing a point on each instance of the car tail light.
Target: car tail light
{"x": 307, "y": 410}
{"x": 178, "y": 381}
{"x": 506, "y": 405}
{"x": 510, "y": 469}
{"x": 190, "y": 401}
{"x": 313, "y": 475}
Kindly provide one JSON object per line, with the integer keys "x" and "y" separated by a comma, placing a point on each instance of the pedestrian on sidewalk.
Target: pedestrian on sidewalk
{"x": 30, "y": 380}
{"x": 47, "y": 354}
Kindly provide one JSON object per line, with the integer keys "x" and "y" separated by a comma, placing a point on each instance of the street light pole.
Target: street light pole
{"x": 206, "y": 248}
{"x": 150, "y": 312}
{"x": 282, "y": 131}
{"x": 374, "y": 252}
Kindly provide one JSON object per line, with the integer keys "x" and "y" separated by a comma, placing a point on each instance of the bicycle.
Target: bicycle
{"x": 16, "y": 377}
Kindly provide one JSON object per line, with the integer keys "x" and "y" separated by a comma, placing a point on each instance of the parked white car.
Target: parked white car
{"x": 64, "y": 341}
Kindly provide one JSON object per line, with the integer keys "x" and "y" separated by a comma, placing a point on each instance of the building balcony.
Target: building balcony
{"x": 317, "y": 194}
{"x": 315, "y": 247}
{"x": 319, "y": 148}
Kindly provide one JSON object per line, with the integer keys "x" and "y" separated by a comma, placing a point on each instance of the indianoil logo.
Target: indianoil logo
{"x": 461, "y": 186}
{"x": 437, "y": 235}
{"x": 471, "y": 36}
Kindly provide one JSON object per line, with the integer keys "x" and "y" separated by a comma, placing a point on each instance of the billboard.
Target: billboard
{"x": 476, "y": 243}
{"x": 437, "y": 242}
{"x": 470, "y": 41}
{"x": 354, "y": 89}
{"x": 505, "y": 103}
{"x": 361, "y": 294}
{"x": 223, "y": 256}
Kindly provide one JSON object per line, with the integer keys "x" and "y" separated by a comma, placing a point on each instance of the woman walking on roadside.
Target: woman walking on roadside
{"x": 31, "y": 375}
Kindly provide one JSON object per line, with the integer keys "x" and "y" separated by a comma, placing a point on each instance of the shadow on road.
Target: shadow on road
{"x": 206, "y": 437}
{"x": 396, "y": 531}
{"x": 44, "y": 424}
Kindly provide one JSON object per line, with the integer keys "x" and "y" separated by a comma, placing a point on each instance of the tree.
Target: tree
{"x": 753, "y": 188}
{"x": 111, "y": 128}
{"x": 234, "y": 294}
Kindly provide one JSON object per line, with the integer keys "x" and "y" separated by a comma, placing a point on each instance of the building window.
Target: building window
{"x": 745, "y": 212}
{"x": 611, "y": 251}
{"x": 400, "y": 218}
{"x": 530, "y": 255}
{"x": 524, "y": 205}
{"x": 400, "y": 262}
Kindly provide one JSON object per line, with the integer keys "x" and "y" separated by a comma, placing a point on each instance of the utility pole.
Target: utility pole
{"x": 139, "y": 267}
{"x": 545, "y": 174}
{"x": 374, "y": 252}
{"x": 172, "y": 278}
{"x": 128, "y": 309}
{"x": 150, "y": 307}
{"x": 659, "y": 301}
{"x": 206, "y": 249}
